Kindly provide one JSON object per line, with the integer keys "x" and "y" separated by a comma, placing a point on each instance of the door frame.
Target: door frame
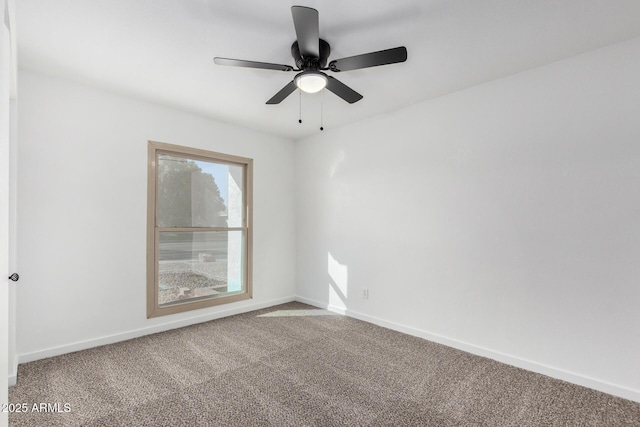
{"x": 8, "y": 91}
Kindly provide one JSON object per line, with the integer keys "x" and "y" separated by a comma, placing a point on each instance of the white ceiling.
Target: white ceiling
{"x": 162, "y": 50}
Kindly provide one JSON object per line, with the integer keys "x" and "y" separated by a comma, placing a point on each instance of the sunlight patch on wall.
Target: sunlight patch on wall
{"x": 338, "y": 281}
{"x": 336, "y": 163}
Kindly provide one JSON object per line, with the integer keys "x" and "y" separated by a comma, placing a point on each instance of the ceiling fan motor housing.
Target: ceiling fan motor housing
{"x": 311, "y": 63}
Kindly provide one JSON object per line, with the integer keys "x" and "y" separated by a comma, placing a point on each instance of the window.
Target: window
{"x": 198, "y": 229}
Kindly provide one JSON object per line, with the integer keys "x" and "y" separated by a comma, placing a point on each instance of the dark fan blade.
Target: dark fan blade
{"x": 342, "y": 90}
{"x": 305, "y": 20}
{"x": 373, "y": 59}
{"x": 251, "y": 64}
{"x": 284, "y": 92}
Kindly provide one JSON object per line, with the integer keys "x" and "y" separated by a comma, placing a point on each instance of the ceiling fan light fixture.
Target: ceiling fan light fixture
{"x": 311, "y": 81}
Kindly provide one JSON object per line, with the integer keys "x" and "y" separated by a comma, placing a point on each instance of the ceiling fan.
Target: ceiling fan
{"x": 311, "y": 53}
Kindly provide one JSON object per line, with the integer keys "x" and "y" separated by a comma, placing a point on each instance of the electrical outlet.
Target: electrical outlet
{"x": 365, "y": 293}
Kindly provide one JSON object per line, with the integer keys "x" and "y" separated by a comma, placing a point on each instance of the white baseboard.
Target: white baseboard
{"x": 123, "y": 336}
{"x": 529, "y": 365}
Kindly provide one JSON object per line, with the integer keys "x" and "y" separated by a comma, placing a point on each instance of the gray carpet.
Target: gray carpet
{"x": 293, "y": 365}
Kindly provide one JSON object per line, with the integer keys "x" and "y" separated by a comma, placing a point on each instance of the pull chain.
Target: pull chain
{"x": 300, "y": 106}
{"x": 321, "y": 109}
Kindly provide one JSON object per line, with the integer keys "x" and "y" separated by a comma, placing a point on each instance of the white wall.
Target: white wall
{"x": 502, "y": 219}
{"x": 82, "y": 199}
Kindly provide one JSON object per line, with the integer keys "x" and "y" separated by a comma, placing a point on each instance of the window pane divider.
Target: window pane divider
{"x": 194, "y": 229}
